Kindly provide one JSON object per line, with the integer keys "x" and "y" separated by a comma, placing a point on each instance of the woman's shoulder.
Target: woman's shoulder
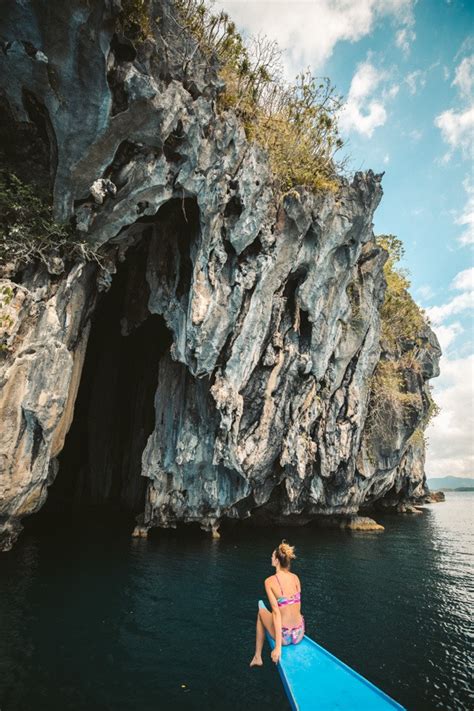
{"x": 270, "y": 582}
{"x": 295, "y": 577}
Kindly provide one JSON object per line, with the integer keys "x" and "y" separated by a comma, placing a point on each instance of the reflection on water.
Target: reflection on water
{"x": 91, "y": 619}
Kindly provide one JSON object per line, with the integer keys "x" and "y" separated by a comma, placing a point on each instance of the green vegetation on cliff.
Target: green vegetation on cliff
{"x": 402, "y": 318}
{"x": 28, "y": 231}
{"x": 296, "y": 123}
{"x": 134, "y": 19}
{"x": 402, "y": 325}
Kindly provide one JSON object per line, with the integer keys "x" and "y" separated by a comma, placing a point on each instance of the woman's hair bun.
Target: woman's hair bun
{"x": 286, "y": 550}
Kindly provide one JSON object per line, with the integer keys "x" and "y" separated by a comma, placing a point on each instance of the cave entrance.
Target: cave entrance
{"x": 100, "y": 464}
{"x": 114, "y": 414}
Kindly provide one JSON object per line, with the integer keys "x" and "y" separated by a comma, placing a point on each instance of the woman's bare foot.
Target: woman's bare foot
{"x": 256, "y": 662}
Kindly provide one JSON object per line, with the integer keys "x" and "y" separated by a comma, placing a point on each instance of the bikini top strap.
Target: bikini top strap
{"x": 281, "y": 587}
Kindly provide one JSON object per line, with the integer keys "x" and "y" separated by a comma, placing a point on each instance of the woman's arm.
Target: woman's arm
{"x": 276, "y": 653}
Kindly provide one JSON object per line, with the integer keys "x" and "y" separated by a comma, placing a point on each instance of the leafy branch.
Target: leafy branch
{"x": 296, "y": 122}
{"x": 28, "y": 231}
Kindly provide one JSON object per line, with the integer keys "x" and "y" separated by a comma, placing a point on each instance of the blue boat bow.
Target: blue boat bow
{"x": 316, "y": 680}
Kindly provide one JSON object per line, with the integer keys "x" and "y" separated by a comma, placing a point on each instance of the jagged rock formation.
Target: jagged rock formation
{"x": 217, "y": 367}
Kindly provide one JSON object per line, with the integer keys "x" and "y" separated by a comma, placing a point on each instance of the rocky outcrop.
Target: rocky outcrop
{"x": 434, "y": 497}
{"x": 351, "y": 523}
{"x": 233, "y": 309}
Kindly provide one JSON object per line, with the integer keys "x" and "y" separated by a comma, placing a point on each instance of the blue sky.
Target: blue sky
{"x": 405, "y": 69}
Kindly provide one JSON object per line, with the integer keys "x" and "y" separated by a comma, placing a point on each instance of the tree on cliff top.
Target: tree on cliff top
{"x": 295, "y": 122}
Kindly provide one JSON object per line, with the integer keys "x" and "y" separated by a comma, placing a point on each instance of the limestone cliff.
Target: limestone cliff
{"x": 215, "y": 367}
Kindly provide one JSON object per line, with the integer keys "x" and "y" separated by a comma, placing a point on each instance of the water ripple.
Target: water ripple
{"x": 92, "y": 619}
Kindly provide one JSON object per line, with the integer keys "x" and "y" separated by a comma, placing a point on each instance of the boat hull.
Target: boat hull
{"x": 316, "y": 680}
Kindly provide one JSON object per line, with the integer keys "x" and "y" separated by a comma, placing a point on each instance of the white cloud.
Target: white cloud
{"x": 309, "y": 31}
{"x": 364, "y": 81}
{"x": 466, "y": 218}
{"x": 438, "y": 314}
{"x": 402, "y": 10}
{"x": 386, "y": 158}
{"x": 457, "y": 125}
{"x": 363, "y": 113}
{"x": 450, "y": 443}
{"x": 391, "y": 92}
{"x": 425, "y": 291}
{"x": 464, "y": 77}
{"x": 457, "y": 129}
{"x": 404, "y": 38}
{"x": 352, "y": 118}
{"x": 446, "y": 335}
{"x": 415, "y": 80}
{"x": 464, "y": 280}
{"x": 466, "y": 47}
{"x": 444, "y": 160}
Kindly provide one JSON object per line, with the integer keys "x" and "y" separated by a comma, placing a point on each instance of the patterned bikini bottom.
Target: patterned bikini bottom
{"x": 292, "y": 635}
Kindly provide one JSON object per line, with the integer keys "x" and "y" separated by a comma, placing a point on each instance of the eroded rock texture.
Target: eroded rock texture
{"x": 228, "y": 371}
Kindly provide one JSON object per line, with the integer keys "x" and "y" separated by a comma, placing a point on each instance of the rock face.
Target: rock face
{"x": 39, "y": 382}
{"x": 217, "y": 368}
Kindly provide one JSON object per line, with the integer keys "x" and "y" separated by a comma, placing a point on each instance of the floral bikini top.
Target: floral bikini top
{"x": 287, "y": 600}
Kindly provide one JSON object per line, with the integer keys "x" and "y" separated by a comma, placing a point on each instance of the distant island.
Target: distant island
{"x": 451, "y": 483}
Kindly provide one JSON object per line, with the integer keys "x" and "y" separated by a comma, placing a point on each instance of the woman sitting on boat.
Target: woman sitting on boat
{"x": 285, "y": 622}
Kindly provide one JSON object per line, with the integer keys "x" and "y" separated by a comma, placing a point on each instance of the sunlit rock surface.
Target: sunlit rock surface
{"x": 216, "y": 368}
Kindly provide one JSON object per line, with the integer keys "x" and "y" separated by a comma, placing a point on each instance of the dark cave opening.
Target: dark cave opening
{"x": 305, "y": 331}
{"x": 299, "y": 316}
{"x": 100, "y": 464}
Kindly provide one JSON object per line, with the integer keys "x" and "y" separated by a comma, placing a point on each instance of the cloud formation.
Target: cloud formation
{"x": 415, "y": 80}
{"x": 466, "y": 217}
{"x": 404, "y": 39}
{"x": 438, "y": 314}
{"x": 464, "y": 77}
{"x": 426, "y": 290}
{"x": 450, "y": 443}
{"x": 325, "y": 23}
{"x": 363, "y": 112}
{"x": 457, "y": 129}
{"x": 446, "y": 335}
{"x": 463, "y": 280}
{"x": 457, "y": 124}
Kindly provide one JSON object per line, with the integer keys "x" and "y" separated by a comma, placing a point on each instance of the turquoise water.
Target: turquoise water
{"x": 92, "y": 619}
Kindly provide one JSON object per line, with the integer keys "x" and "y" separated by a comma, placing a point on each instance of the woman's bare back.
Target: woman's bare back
{"x": 286, "y": 585}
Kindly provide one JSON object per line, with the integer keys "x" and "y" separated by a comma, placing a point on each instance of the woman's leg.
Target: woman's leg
{"x": 264, "y": 621}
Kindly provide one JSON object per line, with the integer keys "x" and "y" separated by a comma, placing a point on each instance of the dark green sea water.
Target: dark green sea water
{"x": 91, "y": 619}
